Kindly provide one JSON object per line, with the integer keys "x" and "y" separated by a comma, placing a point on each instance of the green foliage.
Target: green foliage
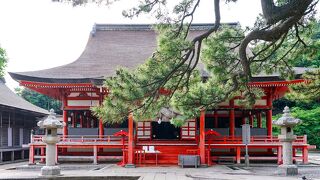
{"x": 39, "y": 100}
{"x": 308, "y": 57}
{"x": 304, "y": 98}
{"x": 293, "y": 49}
{"x": 171, "y": 77}
{"x": 308, "y": 91}
{"x": 3, "y": 61}
{"x": 310, "y": 125}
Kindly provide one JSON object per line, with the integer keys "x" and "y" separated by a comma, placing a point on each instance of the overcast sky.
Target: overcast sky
{"x": 40, "y": 34}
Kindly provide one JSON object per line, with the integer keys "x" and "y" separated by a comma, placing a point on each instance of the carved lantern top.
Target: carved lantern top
{"x": 287, "y": 120}
{"x": 51, "y": 122}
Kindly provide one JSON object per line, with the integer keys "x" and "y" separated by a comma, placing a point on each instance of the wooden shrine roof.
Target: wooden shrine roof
{"x": 109, "y": 47}
{"x": 11, "y": 100}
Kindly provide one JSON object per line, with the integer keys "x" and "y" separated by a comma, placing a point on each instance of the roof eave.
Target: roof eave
{"x": 20, "y": 77}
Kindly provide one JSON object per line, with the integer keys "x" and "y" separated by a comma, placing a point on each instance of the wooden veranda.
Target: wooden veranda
{"x": 233, "y": 149}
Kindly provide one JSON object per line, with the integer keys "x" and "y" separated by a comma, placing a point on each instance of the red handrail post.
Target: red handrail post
{"x": 279, "y": 152}
{"x": 238, "y": 155}
{"x": 31, "y": 154}
{"x": 305, "y": 155}
{"x": 42, "y": 154}
{"x": 57, "y": 154}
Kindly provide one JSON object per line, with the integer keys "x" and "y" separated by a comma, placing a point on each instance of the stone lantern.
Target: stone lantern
{"x": 51, "y": 125}
{"x": 287, "y": 122}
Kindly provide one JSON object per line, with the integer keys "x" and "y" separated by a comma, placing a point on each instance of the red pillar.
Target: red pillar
{"x": 65, "y": 120}
{"x": 259, "y": 123}
{"x": 65, "y": 116}
{"x": 42, "y": 154}
{"x": 216, "y": 119}
{"x": 251, "y": 119}
{"x": 202, "y": 146}
{"x": 130, "y": 162}
{"x": 101, "y": 130}
{"x": 231, "y": 120}
{"x": 269, "y": 115}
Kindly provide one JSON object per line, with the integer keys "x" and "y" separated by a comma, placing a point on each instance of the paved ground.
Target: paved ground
{"x": 217, "y": 172}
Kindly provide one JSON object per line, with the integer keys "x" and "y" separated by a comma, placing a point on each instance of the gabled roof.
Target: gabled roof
{"x": 12, "y": 100}
{"x": 109, "y": 47}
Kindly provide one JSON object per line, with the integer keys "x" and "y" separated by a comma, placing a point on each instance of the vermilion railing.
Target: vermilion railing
{"x": 210, "y": 139}
{"x": 253, "y": 139}
{"x": 84, "y": 138}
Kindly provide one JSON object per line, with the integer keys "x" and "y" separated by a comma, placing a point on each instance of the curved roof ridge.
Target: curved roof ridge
{"x": 148, "y": 27}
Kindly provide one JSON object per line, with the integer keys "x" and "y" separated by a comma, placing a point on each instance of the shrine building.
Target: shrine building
{"x": 18, "y": 118}
{"x": 215, "y": 136}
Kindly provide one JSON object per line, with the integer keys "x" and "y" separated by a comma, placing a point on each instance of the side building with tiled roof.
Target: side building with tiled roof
{"x": 17, "y": 118}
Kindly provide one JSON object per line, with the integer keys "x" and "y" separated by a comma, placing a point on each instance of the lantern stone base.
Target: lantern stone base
{"x": 288, "y": 170}
{"x": 50, "y": 171}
